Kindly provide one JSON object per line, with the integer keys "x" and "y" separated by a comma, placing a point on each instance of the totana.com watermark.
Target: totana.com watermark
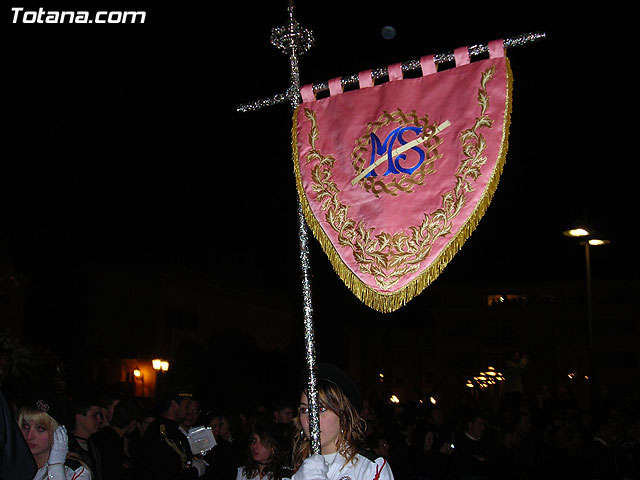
{"x": 20, "y": 15}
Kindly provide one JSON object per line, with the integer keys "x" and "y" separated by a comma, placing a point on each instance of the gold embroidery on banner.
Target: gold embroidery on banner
{"x": 402, "y": 182}
{"x": 388, "y": 257}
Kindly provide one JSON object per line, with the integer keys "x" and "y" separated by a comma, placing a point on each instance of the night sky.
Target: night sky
{"x": 123, "y": 145}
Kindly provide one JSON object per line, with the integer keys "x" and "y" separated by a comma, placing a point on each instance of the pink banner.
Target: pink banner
{"x": 393, "y": 178}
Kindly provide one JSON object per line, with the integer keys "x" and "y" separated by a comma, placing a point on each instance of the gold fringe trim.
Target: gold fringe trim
{"x": 392, "y": 301}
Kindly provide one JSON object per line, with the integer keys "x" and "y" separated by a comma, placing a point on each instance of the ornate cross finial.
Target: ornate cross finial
{"x": 293, "y": 40}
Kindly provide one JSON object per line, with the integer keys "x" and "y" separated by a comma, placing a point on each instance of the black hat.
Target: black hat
{"x": 334, "y": 374}
{"x": 51, "y": 404}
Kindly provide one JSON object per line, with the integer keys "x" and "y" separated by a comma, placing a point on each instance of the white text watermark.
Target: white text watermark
{"x": 20, "y": 15}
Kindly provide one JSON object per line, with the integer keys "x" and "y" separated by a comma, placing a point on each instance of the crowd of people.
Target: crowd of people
{"x": 117, "y": 437}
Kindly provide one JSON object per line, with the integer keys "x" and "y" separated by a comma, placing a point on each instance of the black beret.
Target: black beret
{"x": 51, "y": 404}
{"x": 337, "y": 376}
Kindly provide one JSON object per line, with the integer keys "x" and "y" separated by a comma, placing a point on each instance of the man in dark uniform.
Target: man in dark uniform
{"x": 471, "y": 454}
{"x": 87, "y": 420}
{"x": 164, "y": 451}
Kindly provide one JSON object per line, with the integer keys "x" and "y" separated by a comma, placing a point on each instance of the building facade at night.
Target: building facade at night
{"x": 254, "y": 338}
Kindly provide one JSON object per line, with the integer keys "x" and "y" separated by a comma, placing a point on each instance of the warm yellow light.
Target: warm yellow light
{"x": 164, "y": 365}
{"x": 470, "y": 385}
{"x": 597, "y": 242}
{"x": 137, "y": 373}
{"x": 577, "y": 232}
{"x": 432, "y": 400}
{"x": 157, "y": 363}
{"x": 394, "y": 399}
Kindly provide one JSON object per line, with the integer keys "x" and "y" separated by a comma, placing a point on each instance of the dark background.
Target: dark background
{"x": 123, "y": 146}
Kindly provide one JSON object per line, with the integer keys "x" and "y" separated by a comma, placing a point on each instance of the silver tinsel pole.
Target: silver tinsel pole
{"x": 378, "y": 73}
{"x": 294, "y": 40}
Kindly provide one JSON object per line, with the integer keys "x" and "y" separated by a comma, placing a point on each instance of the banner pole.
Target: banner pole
{"x": 299, "y": 41}
{"x": 378, "y": 73}
{"x": 294, "y": 41}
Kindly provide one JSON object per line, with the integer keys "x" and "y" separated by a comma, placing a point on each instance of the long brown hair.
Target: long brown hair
{"x": 272, "y": 439}
{"x": 352, "y": 426}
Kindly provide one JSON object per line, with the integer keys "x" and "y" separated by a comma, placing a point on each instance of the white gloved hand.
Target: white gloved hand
{"x": 60, "y": 447}
{"x": 313, "y": 468}
{"x": 199, "y": 465}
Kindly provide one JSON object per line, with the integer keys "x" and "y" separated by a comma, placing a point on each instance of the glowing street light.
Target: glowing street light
{"x": 160, "y": 365}
{"x": 590, "y": 239}
{"x": 576, "y": 232}
{"x": 596, "y": 242}
{"x": 486, "y": 378}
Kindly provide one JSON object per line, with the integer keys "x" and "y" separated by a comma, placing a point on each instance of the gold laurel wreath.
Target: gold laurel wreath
{"x": 388, "y": 257}
{"x": 403, "y": 182}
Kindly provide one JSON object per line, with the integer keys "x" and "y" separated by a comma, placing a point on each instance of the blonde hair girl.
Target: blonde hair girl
{"x": 48, "y": 442}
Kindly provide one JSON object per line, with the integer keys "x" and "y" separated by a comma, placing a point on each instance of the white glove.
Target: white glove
{"x": 313, "y": 468}
{"x": 200, "y": 465}
{"x": 60, "y": 447}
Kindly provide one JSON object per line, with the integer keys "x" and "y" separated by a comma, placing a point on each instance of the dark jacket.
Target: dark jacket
{"x": 165, "y": 453}
{"x": 16, "y": 461}
{"x": 90, "y": 457}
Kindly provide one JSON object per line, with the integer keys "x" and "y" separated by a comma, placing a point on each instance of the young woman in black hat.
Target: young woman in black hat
{"x": 48, "y": 442}
{"x": 342, "y": 433}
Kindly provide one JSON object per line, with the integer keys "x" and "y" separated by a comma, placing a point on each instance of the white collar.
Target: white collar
{"x": 468, "y": 435}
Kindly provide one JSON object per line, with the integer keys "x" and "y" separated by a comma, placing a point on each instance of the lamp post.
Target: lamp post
{"x": 138, "y": 376}
{"x": 589, "y": 238}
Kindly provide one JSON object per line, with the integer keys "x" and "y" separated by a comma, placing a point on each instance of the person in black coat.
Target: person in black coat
{"x": 16, "y": 461}
{"x": 165, "y": 453}
{"x": 471, "y": 455}
{"x": 110, "y": 440}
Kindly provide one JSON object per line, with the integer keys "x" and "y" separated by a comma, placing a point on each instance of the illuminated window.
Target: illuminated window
{"x": 500, "y": 299}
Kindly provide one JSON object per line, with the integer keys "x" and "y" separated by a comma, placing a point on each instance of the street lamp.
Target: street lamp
{"x": 138, "y": 377}
{"x": 590, "y": 238}
{"x": 160, "y": 365}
